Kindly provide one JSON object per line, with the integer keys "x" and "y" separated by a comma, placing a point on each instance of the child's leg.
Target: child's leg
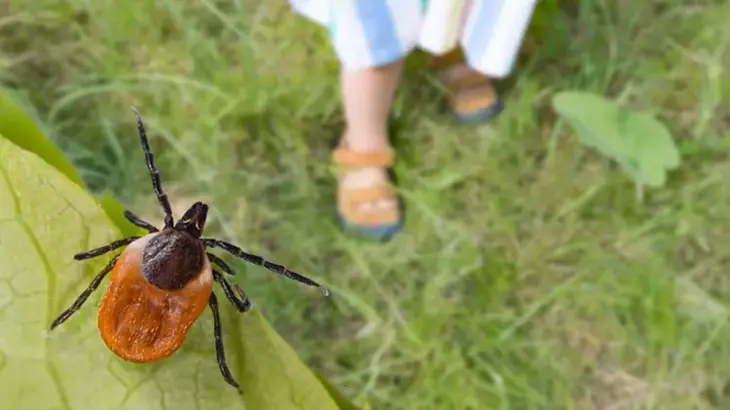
{"x": 367, "y": 98}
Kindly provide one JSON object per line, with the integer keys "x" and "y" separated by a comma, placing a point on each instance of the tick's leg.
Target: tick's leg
{"x": 139, "y": 222}
{"x": 104, "y": 249}
{"x": 243, "y": 304}
{"x": 154, "y": 172}
{"x": 258, "y": 260}
{"x": 85, "y": 294}
{"x": 221, "y": 263}
{"x": 218, "y": 334}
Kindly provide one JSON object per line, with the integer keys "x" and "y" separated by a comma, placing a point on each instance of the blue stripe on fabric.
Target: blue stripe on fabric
{"x": 424, "y": 6}
{"x": 379, "y": 30}
{"x": 331, "y": 20}
{"x": 487, "y": 13}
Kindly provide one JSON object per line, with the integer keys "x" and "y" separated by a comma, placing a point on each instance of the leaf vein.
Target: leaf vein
{"x": 51, "y": 283}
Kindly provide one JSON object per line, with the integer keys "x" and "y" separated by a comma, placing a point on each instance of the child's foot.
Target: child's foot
{"x": 366, "y": 201}
{"x": 471, "y": 95}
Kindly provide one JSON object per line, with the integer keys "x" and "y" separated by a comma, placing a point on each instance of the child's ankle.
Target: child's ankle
{"x": 366, "y": 141}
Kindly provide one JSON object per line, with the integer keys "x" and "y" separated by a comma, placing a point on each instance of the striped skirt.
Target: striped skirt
{"x": 368, "y": 33}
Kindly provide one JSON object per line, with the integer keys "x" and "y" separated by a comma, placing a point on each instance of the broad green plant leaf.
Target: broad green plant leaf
{"x": 336, "y": 395}
{"x": 274, "y": 375}
{"x": 45, "y": 218}
{"x": 639, "y": 142}
{"x": 115, "y": 211}
{"x": 18, "y": 127}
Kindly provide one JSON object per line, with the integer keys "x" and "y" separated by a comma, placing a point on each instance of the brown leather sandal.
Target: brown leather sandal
{"x": 374, "y": 223}
{"x": 471, "y": 95}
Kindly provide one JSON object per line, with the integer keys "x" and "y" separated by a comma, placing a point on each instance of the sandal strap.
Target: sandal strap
{"x": 346, "y": 157}
{"x": 481, "y": 95}
{"x": 448, "y": 59}
{"x": 372, "y": 218}
{"x": 369, "y": 194}
{"x": 460, "y": 78}
{"x": 351, "y": 198}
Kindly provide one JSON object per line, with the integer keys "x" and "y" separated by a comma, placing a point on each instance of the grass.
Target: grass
{"x": 527, "y": 276}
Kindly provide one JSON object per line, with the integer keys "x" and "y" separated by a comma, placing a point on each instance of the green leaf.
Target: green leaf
{"x": 17, "y": 126}
{"x": 115, "y": 211}
{"x": 639, "y": 142}
{"x": 45, "y": 218}
{"x": 336, "y": 395}
{"x": 273, "y": 376}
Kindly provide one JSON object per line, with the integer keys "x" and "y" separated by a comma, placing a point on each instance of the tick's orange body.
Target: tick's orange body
{"x": 139, "y": 321}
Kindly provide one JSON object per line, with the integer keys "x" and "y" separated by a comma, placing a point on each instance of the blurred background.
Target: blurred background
{"x": 527, "y": 276}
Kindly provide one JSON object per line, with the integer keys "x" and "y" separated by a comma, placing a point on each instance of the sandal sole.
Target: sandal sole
{"x": 483, "y": 115}
{"x": 378, "y": 232}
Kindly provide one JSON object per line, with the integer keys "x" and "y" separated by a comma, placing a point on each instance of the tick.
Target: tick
{"x": 161, "y": 282}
